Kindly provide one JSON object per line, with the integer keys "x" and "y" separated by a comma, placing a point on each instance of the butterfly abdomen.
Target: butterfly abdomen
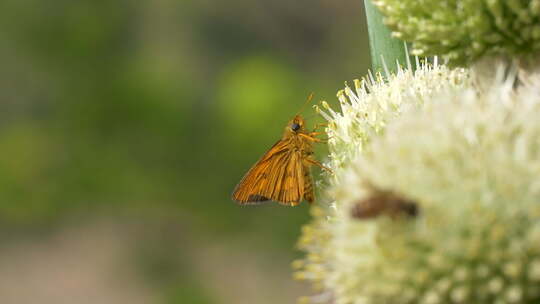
{"x": 308, "y": 187}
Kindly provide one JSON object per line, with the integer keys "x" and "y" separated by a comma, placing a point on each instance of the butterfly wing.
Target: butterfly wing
{"x": 278, "y": 176}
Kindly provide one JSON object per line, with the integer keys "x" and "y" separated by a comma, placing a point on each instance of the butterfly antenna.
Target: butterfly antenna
{"x": 310, "y": 97}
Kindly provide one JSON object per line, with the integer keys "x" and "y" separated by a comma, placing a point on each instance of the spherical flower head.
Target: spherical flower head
{"x": 468, "y": 161}
{"x": 463, "y": 31}
{"x": 366, "y": 109}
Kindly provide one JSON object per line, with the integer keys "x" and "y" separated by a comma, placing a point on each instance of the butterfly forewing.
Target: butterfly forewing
{"x": 279, "y": 176}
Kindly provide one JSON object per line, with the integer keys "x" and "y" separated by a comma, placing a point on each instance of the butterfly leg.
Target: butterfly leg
{"x": 316, "y": 163}
{"x": 317, "y": 126}
{"x": 320, "y": 125}
{"x": 314, "y": 133}
{"x": 311, "y": 136}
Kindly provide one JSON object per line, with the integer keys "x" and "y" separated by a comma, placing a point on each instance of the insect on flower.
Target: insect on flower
{"x": 384, "y": 203}
{"x": 283, "y": 173}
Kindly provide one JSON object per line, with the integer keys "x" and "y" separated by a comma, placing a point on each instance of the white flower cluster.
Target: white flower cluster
{"x": 471, "y": 164}
{"x": 467, "y": 153}
{"x": 374, "y": 102}
{"x": 365, "y": 111}
{"x": 436, "y": 192}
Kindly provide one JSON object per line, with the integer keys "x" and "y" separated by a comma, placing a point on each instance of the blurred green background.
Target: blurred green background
{"x": 124, "y": 127}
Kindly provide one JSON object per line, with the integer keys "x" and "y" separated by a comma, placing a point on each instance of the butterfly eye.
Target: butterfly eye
{"x": 295, "y": 127}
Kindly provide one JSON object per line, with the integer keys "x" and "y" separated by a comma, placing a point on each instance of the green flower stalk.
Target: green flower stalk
{"x": 463, "y": 31}
{"x": 381, "y": 43}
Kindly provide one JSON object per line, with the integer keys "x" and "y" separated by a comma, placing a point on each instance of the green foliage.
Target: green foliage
{"x": 253, "y": 92}
{"x": 157, "y": 109}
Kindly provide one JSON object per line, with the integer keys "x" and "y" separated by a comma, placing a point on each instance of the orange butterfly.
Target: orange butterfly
{"x": 283, "y": 173}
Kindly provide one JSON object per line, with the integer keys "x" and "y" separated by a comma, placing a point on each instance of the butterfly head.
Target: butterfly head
{"x": 296, "y": 124}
